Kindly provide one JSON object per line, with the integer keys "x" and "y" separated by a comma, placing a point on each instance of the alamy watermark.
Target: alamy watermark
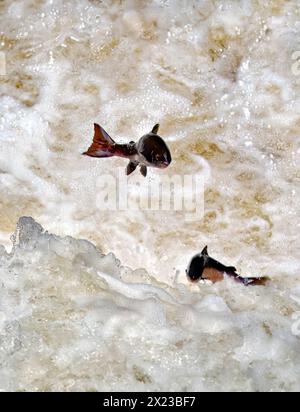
{"x": 296, "y": 318}
{"x": 165, "y": 193}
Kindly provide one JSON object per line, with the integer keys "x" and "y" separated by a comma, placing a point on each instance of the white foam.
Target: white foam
{"x": 218, "y": 77}
{"x": 69, "y": 322}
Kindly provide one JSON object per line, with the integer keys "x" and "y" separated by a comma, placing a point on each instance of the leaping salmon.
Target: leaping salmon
{"x": 149, "y": 151}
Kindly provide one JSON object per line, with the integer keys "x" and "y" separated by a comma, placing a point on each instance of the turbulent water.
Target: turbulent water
{"x": 221, "y": 78}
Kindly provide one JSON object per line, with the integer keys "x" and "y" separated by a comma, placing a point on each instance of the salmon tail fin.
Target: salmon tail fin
{"x": 259, "y": 281}
{"x": 262, "y": 281}
{"x": 102, "y": 146}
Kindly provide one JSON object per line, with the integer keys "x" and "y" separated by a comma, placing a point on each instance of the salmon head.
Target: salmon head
{"x": 197, "y": 265}
{"x": 154, "y": 150}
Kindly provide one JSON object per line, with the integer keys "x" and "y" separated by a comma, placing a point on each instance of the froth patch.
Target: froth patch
{"x": 2, "y": 64}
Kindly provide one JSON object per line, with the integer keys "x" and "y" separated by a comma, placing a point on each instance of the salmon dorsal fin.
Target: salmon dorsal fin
{"x": 155, "y": 129}
{"x": 100, "y": 136}
{"x": 205, "y": 251}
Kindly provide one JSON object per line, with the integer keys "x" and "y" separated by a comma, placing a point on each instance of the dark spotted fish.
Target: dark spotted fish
{"x": 203, "y": 267}
{"x": 149, "y": 151}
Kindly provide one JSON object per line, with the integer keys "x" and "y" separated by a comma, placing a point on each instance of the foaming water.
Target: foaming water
{"x": 74, "y": 319}
{"x": 218, "y": 77}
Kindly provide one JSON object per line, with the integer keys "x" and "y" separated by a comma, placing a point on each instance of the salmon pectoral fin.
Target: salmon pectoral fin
{"x": 144, "y": 170}
{"x": 131, "y": 168}
{"x": 102, "y": 146}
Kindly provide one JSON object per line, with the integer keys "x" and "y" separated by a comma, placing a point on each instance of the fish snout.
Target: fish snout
{"x": 165, "y": 164}
{"x": 193, "y": 278}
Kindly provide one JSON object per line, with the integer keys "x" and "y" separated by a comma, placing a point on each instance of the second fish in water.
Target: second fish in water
{"x": 203, "y": 267}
